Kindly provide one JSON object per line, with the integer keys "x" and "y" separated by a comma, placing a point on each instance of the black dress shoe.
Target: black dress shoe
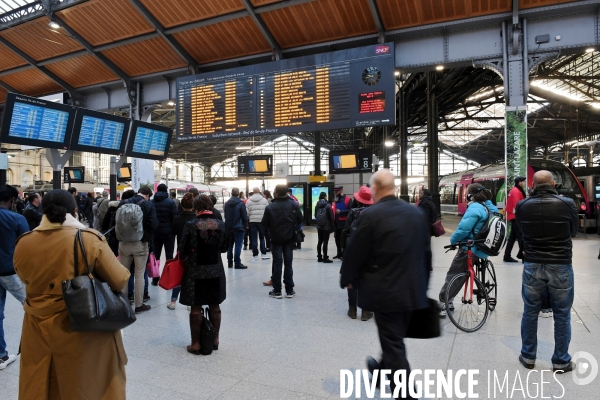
{"x": 526, "y": 364}
{"x": 568, "y": 368}
{"x": 509, "y": 259}
{"x": 373, "y": 365}
{"x": 240, "y": 266}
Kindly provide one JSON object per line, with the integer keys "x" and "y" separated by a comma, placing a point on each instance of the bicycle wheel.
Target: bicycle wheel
{"x": 489, "y": 281}
{"x": 468, "y": 316}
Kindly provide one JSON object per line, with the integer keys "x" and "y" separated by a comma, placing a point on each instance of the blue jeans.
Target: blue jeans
{"x": 175, "y": 293}
{"x": 557, "y": 280}
{"x": 257, "y": 232}
{"x": 130, "y": 287}
{"x": 236, "y": 238}
{"x": 11, "y": 284}
{"x": 282, "y": 253}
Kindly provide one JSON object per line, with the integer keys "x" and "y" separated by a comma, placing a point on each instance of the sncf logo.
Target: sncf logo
{"x": 382, "y": 49}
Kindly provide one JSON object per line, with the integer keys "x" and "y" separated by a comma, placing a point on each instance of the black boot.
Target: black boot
{"x": 326, "y": 260}
{"x": 320, "y": 258}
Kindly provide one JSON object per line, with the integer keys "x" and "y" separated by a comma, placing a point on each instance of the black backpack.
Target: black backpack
{"x": 321, "y": 216}
{"x": 207, "y": 335}
{"x": 354, "y": 213}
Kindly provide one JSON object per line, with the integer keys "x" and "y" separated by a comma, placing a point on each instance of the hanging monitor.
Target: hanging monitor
{"x": 74, "y": 174}
{"x": 149, "y": 141}
{"x": 350, "y": 161}
{"x": 259, "y": 165}
{"x": 124, "y": 173}
{"x": 34, "y": 122}
{"x": 98, "y": 132}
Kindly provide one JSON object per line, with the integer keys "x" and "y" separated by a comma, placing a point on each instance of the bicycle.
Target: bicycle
{"x": 471, "y": 312}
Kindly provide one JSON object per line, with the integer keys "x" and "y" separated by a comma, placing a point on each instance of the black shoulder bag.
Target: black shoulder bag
{"x": 93, "y": 306}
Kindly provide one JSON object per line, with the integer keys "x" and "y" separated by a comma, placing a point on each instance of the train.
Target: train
{"x": 222, "y": 193}
{"x": 453, "y": 188}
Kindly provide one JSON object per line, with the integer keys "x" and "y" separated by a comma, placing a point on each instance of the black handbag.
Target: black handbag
{"x": 207, "y": 335}
{"x": 93, "y": 306}
{"x": 299, "y": 236}
{"x": 425, "y": 323}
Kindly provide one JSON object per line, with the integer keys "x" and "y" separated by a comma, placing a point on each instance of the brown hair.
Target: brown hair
{"x": 479, "y": 192}
{"x": 203, "y": 203}
{"x": 187, "y": 201}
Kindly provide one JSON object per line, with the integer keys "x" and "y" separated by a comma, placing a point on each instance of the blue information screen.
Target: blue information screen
{"x": 98, "y": 132}
{"x": 39, "y": 123}
{"x": 150, "y": 141}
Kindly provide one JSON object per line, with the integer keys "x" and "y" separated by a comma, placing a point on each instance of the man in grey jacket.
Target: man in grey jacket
{"x": 256, "y": 205}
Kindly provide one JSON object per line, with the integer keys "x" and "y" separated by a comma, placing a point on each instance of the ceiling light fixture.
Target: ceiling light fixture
{"x": 397, "y": 73}
{"x": 54, "y": 25}
{"x": 170, "y": 103}
{"x": 439, "y": 68}
{"x": 590, "y": 50}
{"x": 389, "y": 143}
{"x": 243, "y": 148}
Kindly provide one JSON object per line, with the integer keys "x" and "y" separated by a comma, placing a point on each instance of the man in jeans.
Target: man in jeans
{"x": 12, "y": 225}
{"x": 256, "y": 206}
{"x": 282, "y": 217}
{"x": 138, "y": 251}
{"x": 547, "y": 223}
{"x": 236, "y": 223}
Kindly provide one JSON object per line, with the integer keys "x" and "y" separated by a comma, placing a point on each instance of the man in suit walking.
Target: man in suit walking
{"x": 390, "y": 266}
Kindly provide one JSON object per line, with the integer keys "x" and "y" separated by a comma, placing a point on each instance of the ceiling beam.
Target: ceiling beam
{"x": 378, "y": 20}
{"x": 263, "y": 29}
{"x": 8, "y": 87}
{"x": 70, "y": 89}
{"x": 175, "y": 45}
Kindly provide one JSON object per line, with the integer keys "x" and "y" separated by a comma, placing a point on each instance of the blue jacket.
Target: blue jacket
{"x": 236, "y": 217}
{"x": 12, "y": 225}
{"x": 166, "y": 210}
{"x": 471, "y": 223}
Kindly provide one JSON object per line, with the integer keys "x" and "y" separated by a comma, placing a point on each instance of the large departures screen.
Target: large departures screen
{"x": 149, "y": 141}
{"x": 341, "y": 89}
{"x": 36, "y": 122}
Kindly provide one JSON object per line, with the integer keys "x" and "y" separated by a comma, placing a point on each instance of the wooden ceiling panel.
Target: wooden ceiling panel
{"x": 39, "y": 41}
{"x": 2, "y": 95}
{"x": 82, "y": 71}
{"x": 483, "y": 7}
{"x": 8, "y": 59}
{"x": 146, "y": 57}
{"x": 540, "y": 3}
{"x": 443, "y": 10}
{"x": 105, "y": 21}
{"x": 32, "y": 82}
{"x": 320, "y": 21}
{"x": 177, "y": 12}
{"x": 258, "y": 3}
{"x": 225, "y": 40}
{"x": 397, "y": 14}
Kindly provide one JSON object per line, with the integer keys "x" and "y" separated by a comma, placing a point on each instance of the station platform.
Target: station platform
{"x": 295, "y": 348}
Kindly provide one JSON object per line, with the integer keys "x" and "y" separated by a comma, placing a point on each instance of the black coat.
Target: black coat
{"x": 329, "y": 224}
{"x": 33, "y": 216}
{"x": 150, "y": 221}
{"x": 179, "y": 223}
{"x": 281, "y": 218}
{"x": 547, "y": 223}
{"x": 236, "y": 216}
{"x": 89, "y": 203}
{"x": 388, "y": 257}
{"x": 166, "y": 210}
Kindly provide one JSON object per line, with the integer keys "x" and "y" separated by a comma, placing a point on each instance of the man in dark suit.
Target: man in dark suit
{"x": 388, "y": 260}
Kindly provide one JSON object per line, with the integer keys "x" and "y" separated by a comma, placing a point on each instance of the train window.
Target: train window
{"x": 447, "y": 194}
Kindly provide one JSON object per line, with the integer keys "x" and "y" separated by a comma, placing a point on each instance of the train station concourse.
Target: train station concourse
{"x": 441, "y": 120}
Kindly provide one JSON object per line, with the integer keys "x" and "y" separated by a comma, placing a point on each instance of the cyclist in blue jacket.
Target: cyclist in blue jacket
{"x": 476, "y": 216}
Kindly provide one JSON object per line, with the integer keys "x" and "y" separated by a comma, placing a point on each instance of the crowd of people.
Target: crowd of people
{"x": 385, "y": 269}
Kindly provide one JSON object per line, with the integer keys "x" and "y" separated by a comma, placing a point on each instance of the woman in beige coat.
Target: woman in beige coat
{"x": 57, "y": 363}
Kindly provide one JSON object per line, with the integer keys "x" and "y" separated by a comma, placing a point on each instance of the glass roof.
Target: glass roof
{"x": 7, "y": 6}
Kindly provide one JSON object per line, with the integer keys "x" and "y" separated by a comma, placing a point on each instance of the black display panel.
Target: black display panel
{"x": 149, "y": 141}
{"x": 74, "y": 174}
{"x": 350, "y": 161}
{"x": 124, "y": 173}
{"x": 341, "y": 89}
{"x": 99, "y": 132}
{"x": 34, "y": 122}
{"x": 260, "y": 165}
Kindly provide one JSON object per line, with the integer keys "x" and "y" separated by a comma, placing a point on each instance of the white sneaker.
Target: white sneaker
{"x": 265, "y": 257}
{"x": 545, "y": 314}
{"x": 171, "y": 305}
{"x": 4, "y": 363}
{"x": 255, "y": 258}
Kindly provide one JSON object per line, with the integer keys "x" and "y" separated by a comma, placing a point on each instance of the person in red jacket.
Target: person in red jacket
{"x": 516, "y": 194}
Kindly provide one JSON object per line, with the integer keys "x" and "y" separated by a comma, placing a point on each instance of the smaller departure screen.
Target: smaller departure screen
{"x": 150, "y": 141}
{"x": 75, "y": 174}
{"x": 39, "y": 123}
{"x": 103, "y": 133}
{"x": 371, "y": 102}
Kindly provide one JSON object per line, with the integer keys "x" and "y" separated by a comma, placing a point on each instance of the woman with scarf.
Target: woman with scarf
{"x": 204, "y": 239}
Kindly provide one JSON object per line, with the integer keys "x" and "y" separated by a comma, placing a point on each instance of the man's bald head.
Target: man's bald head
{"x": 382, "y": 184}
{"x": 542, "y": 177}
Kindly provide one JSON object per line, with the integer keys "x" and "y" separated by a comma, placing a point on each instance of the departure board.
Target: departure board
{"x": 99, "y": 132}
{"x": 30, "y": 121}
{"x": 149, "y": 141}
{"x": 342, "y": 89}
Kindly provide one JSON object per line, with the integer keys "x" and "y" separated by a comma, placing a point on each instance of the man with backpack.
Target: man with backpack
{"x": 236, "y": 223}
{"x": 341, "y": 207}
{"x": 99, "y": 210}
{"x": 135, "y": 222}
{"x": 325, "y": 224}
{"x": 547, "y": 222}
{"x": 478, "y": 211}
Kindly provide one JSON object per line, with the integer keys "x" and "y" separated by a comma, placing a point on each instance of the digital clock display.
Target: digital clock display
{"x": 318, "y": 92}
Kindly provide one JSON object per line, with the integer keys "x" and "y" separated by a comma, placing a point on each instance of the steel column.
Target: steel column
{"x": 402, "y": 125}
{"x": 263, "y": 29}
{"x": 432, "y": 140}
{"x": 317, "y": 152}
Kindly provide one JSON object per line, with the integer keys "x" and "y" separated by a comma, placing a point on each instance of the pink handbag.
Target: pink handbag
{"x": 153, "y": 266}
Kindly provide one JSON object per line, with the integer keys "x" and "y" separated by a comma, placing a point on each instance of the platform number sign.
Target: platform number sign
{"x": 365, "y": 163}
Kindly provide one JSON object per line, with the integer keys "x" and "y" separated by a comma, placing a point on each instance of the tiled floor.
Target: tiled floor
{"x": 295, "y": 348}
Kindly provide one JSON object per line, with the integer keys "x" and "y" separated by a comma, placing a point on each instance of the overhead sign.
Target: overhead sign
{"x": 342, "y": 89}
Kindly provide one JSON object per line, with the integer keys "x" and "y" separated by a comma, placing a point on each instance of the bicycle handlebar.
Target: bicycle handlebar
{"x": 468, "y": 243}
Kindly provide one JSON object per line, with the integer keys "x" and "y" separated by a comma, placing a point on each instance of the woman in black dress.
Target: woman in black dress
{"x": 204, "y": 239}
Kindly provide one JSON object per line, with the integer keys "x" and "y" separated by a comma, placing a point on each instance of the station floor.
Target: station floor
{"x": 295, "y": 348}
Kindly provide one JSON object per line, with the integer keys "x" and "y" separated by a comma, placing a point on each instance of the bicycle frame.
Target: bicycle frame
{"x": 471, "y": 276}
